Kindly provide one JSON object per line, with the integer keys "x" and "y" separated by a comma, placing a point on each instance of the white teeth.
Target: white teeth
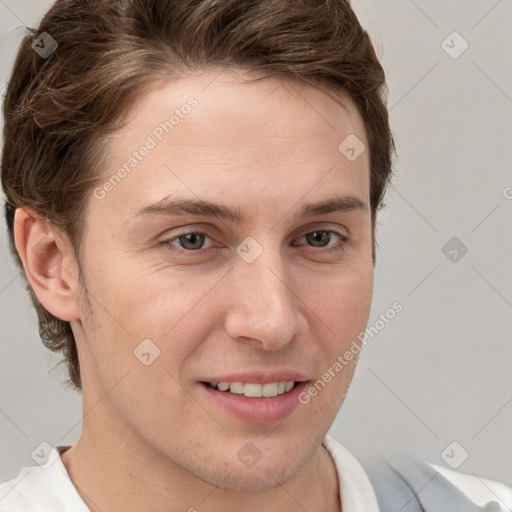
{"x": 289, "y": 385}
{"x": 253, "y": 390}
{"x": 236, "y": 387}
{"x": 269, "y": 389}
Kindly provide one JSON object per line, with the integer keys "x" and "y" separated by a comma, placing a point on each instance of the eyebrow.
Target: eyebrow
{"x": 182, "y": 206}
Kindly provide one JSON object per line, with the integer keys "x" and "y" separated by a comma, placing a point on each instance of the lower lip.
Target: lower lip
{"x": 257, "y": 410}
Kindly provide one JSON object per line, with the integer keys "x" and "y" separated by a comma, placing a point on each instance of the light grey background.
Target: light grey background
{"x": 440, "y": 371}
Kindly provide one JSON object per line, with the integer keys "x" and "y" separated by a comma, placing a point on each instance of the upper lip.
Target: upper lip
{"x": 259, "y": 376}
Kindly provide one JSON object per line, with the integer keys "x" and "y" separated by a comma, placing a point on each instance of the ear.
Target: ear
{"x": 49, "y": 263}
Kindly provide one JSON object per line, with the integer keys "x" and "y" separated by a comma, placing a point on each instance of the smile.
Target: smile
{"x": 254, "y": 390}
{"x": 254, "y": 403}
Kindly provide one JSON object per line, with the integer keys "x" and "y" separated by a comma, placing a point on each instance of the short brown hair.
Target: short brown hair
{"x": 59, "y": 108}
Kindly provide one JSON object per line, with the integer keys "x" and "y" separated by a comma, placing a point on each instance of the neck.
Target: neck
{"x": 115, "y": 470}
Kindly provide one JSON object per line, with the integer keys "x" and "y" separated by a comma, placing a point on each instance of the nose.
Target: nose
{"x": 264, "y": 306}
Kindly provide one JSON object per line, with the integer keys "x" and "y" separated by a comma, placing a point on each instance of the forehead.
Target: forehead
{"x": 214, "y": 134}
{"x": 231, "y": 102}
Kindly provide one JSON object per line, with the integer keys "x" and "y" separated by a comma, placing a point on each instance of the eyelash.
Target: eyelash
{"x": 344, "y": 240}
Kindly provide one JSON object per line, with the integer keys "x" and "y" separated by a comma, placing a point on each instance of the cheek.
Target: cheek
{"x": 344, "y": 300}
{"x": 141, "y": 301}
{"x": 342, "y": 314}
{"x": 152, "y": 318}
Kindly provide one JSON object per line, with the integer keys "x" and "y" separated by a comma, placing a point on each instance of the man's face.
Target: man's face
{"x": 273, "y": 294}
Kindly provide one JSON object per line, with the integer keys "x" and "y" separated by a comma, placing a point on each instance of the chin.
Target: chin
{"x": 255, "y": 479}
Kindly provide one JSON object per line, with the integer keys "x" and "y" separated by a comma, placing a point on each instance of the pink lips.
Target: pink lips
{"x": 256, "y": 410}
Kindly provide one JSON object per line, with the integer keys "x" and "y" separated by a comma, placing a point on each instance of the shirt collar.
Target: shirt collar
{"x": 356, "y": 490}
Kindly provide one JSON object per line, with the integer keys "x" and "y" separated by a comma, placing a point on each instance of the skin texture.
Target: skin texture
{"x": 151, "y": 437}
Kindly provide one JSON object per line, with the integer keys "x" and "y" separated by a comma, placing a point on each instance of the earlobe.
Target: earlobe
{"x": 49, "y": 264}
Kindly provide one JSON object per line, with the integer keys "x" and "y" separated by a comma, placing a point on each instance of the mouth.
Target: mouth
{"x": 254, "y": 390}
{"x": 253, "y": 402}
